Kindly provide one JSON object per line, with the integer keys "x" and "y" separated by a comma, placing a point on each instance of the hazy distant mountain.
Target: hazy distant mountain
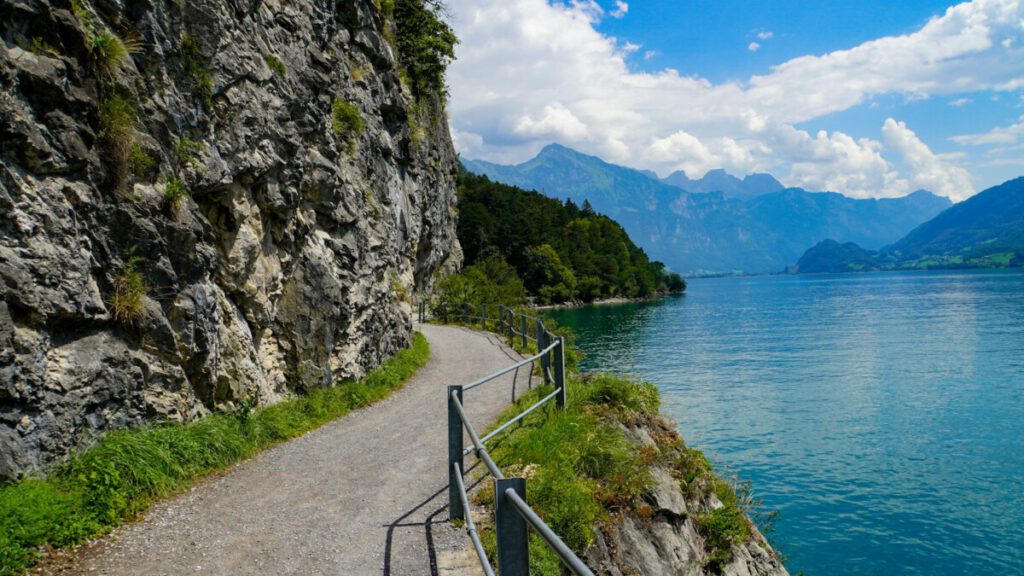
{"x": 985, "y": 230}
{"x": 721, "y": 181}
{"x": 712, "y": 233}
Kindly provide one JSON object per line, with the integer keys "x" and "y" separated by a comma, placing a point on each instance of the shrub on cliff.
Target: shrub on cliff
{"x": 425, "y": 43}
{"x": 346, "y": 118}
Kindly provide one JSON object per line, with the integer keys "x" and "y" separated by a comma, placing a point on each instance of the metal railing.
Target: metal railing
{"x": 512, "y": 514}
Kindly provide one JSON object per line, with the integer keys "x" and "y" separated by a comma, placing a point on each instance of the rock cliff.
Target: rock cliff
{"x": 676, "y": 531}
{"x": 204, "y": 204}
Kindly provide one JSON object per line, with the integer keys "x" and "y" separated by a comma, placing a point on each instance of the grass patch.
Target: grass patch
{"x": 580, "y": 465}
{"x": 108, "y": 51}
{"x": 118, "y": 118}
{"x": 174, "y": 197}
{"x": 128, "y": 300}
{"x": 127, "y": 471}
{"x": 275, "y": 65}
{"x": 346, "y": 118}
{"x": 189, "y": 151}
{"x": 140, "y": 163}
{"x": 197, "y": 66}
{"x": 38, "y": 46}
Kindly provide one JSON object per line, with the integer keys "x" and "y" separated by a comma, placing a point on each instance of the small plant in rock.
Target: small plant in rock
{"x": 118, "y": 119}
{"x": 398, "y": 289}
{"x": 140, "y": 163}
{"x": 174, "y": 197}
{"x": 110, "y": 52}
{"x": 197, "y": 66}
{"x": 276, "y": 65}
{"x": 129, "y": 293}
{"x": 38, "y": 46}
{"x": 346, "y": 118}
{"x": 189, "y": 151}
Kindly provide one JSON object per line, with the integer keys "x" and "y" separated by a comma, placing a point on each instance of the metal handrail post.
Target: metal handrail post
{"x": 559, "y": 361}
{"x": 511, "y": 528}
{"x": 455, "y": 508}
{"x": 523, "y": 326}
{"x": 542, "y": 343}
{"x": 483, "y": 317}
{"x": 511, "y": 328}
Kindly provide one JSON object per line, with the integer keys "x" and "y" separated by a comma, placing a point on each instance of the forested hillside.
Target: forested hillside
{"x": 560, "y": 251}
{"x": 723, "y": 225}
{"x": 984, "y": 231}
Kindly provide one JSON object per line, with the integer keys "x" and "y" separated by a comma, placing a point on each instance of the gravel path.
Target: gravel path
{"x": 366, "y": 494}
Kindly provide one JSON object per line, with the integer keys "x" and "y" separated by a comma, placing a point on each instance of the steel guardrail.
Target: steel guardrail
{"x": 512, "y": 513}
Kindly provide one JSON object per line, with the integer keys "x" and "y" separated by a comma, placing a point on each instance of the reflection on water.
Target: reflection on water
{"x": 881, "y": 414}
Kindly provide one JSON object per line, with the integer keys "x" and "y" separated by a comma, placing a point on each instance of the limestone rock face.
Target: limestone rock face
{"x": 666, "y": 539}
{"x": 288, "y": 266}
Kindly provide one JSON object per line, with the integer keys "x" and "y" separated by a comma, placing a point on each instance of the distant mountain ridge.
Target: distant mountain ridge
{"x": 986, "y": 230}
{"x": 755, "y": 226}
{"x": 719, "y": 180}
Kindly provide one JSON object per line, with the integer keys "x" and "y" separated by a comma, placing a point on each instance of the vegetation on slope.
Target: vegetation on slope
{"x": 425, "y": 43}
{"x": 984, "y": 231}
{"x": 560, "y": 252}
{"x": 122, "y": 475}
{"x": 583, "y": 470}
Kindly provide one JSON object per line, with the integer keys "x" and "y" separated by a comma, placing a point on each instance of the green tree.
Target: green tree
{"x": 547, "y": 277}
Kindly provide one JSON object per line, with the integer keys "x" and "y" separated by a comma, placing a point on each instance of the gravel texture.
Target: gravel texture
{"x": 366, "y": 494}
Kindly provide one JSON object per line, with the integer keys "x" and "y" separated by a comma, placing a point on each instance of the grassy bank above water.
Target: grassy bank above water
{"x": 120, "y": 477}
{"x": 584, "y": 470}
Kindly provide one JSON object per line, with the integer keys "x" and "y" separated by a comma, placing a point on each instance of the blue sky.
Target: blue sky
{"x": 868, "y": 98}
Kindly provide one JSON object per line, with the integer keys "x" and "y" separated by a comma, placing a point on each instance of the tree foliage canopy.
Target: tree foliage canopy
{"x": 425, "y": 42}
{"x": 560, "y": 251}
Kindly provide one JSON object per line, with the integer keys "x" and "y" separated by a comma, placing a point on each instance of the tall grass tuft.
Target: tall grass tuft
{"x": 128, "y": 300}
{"x": 122, "y": 475}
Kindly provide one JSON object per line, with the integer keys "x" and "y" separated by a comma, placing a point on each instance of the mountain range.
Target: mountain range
{"x": 984, "y": 231}
{"x": 718, "y": 224}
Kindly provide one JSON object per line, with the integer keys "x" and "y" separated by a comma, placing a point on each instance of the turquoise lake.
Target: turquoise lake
{"x": 882, "y": 415}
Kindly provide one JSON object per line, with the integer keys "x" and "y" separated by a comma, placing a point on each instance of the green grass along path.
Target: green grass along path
{"x": 359, "y": 495}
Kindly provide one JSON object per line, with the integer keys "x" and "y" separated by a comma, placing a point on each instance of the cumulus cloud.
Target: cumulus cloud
{"x": 765, "y": 35}
{"x": 927, "y": 170}
{"x": 532, "y": 71}
{"x": 753, "y": 46}
{"x": 556, "y": 122}
{"x": 621, "y": 8}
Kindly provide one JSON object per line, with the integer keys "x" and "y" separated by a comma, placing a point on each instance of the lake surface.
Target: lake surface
{"x": 882, "y": 414}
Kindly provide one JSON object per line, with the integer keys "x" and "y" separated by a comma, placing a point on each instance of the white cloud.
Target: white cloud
{"x": 621, "y": 8}
{"x": 765, "y": 35}
{"x": 651, "y": 54}
{"x": 998, "y": 135}
{"x": 557, "y": 122}
{"x": 928, "y": 170}
{"x": 753, "y": 46}
{"x": 529, "y": 72}
{"x": 960, "y": 102}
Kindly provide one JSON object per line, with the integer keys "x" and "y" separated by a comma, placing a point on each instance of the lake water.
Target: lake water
{"x": 882, "y": 414}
